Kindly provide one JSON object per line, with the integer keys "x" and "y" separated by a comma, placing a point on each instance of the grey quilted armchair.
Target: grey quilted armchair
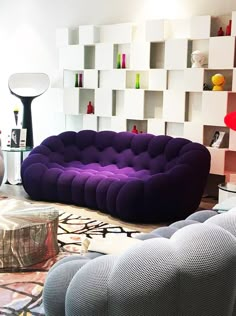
{"x": 189, "y": 272}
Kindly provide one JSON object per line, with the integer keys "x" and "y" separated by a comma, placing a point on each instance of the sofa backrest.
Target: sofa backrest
{"x": 143, "y": 151}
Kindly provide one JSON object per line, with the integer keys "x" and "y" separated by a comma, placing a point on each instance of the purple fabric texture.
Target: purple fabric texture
{"x": 138, "y": 178}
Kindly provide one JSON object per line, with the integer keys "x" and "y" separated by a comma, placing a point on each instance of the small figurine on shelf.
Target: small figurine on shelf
{"x": 16, "y": 114}
{"x": 197, "y": 59}
{"x": 218, "y": 81}
{"x": 228, "y": 28}
{"x": 118, "y": 61}
{"x": 134, "y": 130}
{"x": 206, "y": 87}
{"x": 220, "y": 32}
{"x": 137, "y": 81}
{"x": 80, "y": 80}
{"x": 90, "y": 108}
{"x": 123, "y": 65}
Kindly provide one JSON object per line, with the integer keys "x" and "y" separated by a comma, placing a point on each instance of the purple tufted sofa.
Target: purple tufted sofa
{"x": 138, "y": 178}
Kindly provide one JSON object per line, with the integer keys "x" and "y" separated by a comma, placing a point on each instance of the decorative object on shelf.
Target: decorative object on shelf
{"x": 137, "y": 81}
{"x": 118, "y": 61}
{"x": 230, "y": 120}
{"x": 27, "y": 87}
{"x": 123, "y": 65}
{"x": 220, "y": 32}
{"x": 80, "y": 80}
{"x": 16, "y": 114}
{"x": 218, "y": 81}
{"x": 134, "y": 130}
{"x": 206, "y": 87}
{"x": 228, "y": 28}
{"x": 76, "y": 80}
{"x": 18, "y": 137}
{"x": 90, "y": 108}
{"x": 217, "y": 139}
{"x": 197, "y": 59}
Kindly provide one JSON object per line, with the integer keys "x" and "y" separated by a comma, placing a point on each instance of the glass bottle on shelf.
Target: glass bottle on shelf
{"x": 118, "y": 61}
{"x": 76, "y": 80}
{"x": 123, "y": 65}
{"x": 80, "y": 80}
{"x": 90, "y": 108}
{"x": 137, "y": 81}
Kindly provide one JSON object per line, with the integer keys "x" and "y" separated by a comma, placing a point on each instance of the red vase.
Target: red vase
{"x": 134, "y": 130}
{"x": 228, "y": 28}
{"x": 220, "y": 32}
{"x": 90, "y": 108}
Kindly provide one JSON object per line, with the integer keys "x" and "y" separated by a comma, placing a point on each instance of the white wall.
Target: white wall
{"x": 27, "y": 37}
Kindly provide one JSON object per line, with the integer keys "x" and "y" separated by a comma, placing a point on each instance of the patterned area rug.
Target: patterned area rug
{"x": 21, "y": 292}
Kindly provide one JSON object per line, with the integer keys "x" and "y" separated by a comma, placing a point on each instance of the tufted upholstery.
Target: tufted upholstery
{"x": 141, "y": 177}
{"x": 191, "y": 272}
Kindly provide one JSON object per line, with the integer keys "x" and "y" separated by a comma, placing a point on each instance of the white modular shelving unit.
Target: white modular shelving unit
{"x": 171, "y": 99}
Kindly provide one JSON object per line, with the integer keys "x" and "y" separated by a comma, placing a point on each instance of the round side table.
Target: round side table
{"x": 13, "y": 158}
{"x": 226, "y": 190}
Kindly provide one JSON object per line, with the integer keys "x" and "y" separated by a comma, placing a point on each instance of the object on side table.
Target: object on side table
{"x": 27, "y": 87}
{"x": 218, "y": 81}
{"x": 90, "y": 108}
{"x": 16, "y": 114}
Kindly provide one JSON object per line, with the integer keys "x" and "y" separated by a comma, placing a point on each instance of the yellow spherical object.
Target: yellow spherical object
{"x": 218, "y": 79}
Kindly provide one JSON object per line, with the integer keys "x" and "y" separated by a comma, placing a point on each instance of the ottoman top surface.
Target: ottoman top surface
{"x": 16, "y": 214}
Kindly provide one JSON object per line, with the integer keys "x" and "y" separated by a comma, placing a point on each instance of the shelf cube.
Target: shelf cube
{"x": 65, "y": 36}
{"x": 116, "y": 33}
{"x": 90, "y": 121}
{"x": 157, "y": 79}
{"x": 88, "y": 34}
{"x": 156, "y": 126}
{"x": 134, "y": 104}
{"x": 178, "y": 59}
{"x": 104, "y": 124}
{"x": 113, "y": 79}
{"x": 221, "y": 52}
{"x": 118, "y": 124}
{"x": 74, "y": 123}
{"x": 104, "y": 56}
{"x": 155, "y": 30}
{"x": 71, "y": 57}
{"x": 233, "y": 27}
{"x": 214, "y": 107}
{"x": 193, "y": 79}
{"x": 193, "y": 131}
{"x": 174, "y": 129}
{"x": 71, "y": 101}
{"x": 200, "y": 27}
{"x": 140, "y": 55}
{"x": 217, "y": 160}
{"x": 104, "y": 102}
{"x": 177, "y": 28}
{"x": 91, "y": 79}
{"x": 174, "y": 106}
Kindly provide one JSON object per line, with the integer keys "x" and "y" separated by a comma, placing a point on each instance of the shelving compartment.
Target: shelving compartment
{"x": 157, "y": 55}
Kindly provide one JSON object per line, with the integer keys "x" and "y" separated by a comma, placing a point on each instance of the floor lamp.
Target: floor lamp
{"x": 28, "y": 86}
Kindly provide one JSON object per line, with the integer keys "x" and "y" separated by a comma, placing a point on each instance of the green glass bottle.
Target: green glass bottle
{"x": 118, "y": 64}
{"x": 76, "y": 80}
{"x": 137, "y": 81}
